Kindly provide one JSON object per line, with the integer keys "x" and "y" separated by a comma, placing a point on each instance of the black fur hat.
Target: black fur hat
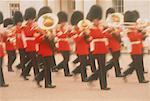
{"x": 95, "y": 12}
{"x": 131, "y": 16}
{"x": 62, "y": 16}
{"x": 17, "y": 17}
{"x": 7, "y": 22}
{"x": 44, "y": 10}
{"x": 1, "y": 17}
{"x": 30, "y": 13}
{"x": 136, "y": 15}
{"x": 110, "y": 11}
{"x": 76, "y": 17}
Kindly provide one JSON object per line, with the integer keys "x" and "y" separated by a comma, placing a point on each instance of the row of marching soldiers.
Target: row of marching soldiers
{"x": 91, "y": 45}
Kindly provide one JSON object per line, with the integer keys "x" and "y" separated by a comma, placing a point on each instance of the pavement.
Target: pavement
{"x": 72, "y": 89}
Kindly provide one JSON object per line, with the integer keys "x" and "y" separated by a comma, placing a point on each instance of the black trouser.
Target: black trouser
{"x": 2, "y": 81}
{"x": 11, "y": 58}
{"x": 83, "y": 60}
{"x": 101, "y": 58}
{"x": 64, "y": 63}
{"x": 33, "y": 59}
{"x": 49, "y": 63}
{"x": 114, "y": 62}
{"x": 137, "y": 65}
{"x": 90, "y": 61}
{"x": 47, "y": 70}
{"x": 22, "y": 58}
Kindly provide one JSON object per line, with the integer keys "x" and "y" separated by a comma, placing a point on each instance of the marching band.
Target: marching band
{"x": 39, "y": 38}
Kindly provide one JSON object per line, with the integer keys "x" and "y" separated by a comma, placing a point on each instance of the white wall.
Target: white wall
{"x": 4, "y": 7}
{"x": 143, "y": 6}
{"x": 105, "y": 4}
{"x": 37, "y": 4}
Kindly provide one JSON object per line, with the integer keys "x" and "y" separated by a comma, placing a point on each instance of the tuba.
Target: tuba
{"x": 48, "y": 22}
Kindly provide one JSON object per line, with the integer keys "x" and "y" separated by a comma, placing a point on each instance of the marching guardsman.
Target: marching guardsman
{"x": 46, "y": 46}
{"x": 114, "y": 41}
{"x": 2, "y": 81}
{"x": 30, "y": 34}
{"x": 136, "y": 39}
{"x": 63, "y": 35}
{"x": 10, "y": 41}
{"x": 75, "y": 18}
{"x": 81, "y": 43}
{"x": 20, "y": 45}
{"x": 99, "y": 45}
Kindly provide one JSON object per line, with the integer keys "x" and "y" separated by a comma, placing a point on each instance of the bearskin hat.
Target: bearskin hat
{"x": 62, "y": 16}
{"x": 30, "y": 13}
{"x": 1, "y": 17}
{"x": 136, "y": 15}
{"x": 17, "y": 17}
{"x": 131, "y": 16}
{"x": 7, "y": 22}
{"x": 76, "y": 17}
{"x": 110, "y": 11}
{"x": 44, "y": 10}
{"x": 95, "y": 12}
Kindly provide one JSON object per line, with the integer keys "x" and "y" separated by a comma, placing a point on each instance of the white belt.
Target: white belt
{"x": 29, "y": 38}
{"x": 92, "y": 44}
{"x": 136, "y": 42}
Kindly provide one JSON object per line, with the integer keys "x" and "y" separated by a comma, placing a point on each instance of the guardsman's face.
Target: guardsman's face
{"x": 96, "y": 22}
{"x": 19, "y": 23}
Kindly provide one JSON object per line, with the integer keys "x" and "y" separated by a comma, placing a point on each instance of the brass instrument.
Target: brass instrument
{"x": 47, "y": 23}
{"x": 84, "y": 26}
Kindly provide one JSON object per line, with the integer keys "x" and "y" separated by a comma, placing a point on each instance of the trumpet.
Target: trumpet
{"x": 84, "y": 26}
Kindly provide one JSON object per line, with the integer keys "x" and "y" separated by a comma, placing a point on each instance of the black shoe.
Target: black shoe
{"x": 4, "y": 85}
{"x": 28, "y": 75}
{"x": 144, "y": 81}
{"x": 25, "y": 78}
{"x": 38, "y": 84}
{"x": 125, "y": 79}
{"x": 145, "y": 72}
{"x": 18, "y": 67}
{"x": 106, "y": 88}
{"x": 68, "y": 75}
{"x": 55, "y": 70}
{"x": 50, "y": 86}
{"x": 10, "y": 70}
{"x": 121, "y": 75}
{"x": 85, "y": 80}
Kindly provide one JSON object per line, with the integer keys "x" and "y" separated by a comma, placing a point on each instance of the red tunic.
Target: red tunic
{"x": 9, "y": 45}
{"x": 44, "y": 47}
{"x": 82, "y": 47}
{"x": 29, "y": 32}
{"x": 1, "y": 46}
{"x": 136, "y": 42}
{"x": 100, "y": 47}
{"x": 63, "y": 45}
{"x": 114, "y": 45}
{"x": 19, "y": 40}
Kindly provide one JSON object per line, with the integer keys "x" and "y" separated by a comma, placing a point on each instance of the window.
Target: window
{"x": 14, "y": 7}
{"x": 118, "y": 5}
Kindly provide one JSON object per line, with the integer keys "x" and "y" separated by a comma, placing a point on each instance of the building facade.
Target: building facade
{"x": 9, "y": 6}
